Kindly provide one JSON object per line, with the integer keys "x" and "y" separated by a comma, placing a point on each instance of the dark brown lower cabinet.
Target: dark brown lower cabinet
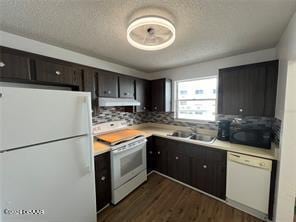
{"x": 150, "y": 154}
{"x": 161, "y": 155}
{"x": 208, "y": 170}
{"x": 178, "y": 162}
{"x": 103, "y": 180}
{"x": 201, "y": 167}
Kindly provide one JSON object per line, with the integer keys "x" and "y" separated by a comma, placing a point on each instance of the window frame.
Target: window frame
{"x": 176, "y": 100}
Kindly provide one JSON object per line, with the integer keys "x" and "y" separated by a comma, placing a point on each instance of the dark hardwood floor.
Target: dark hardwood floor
{"x": 161, "y": 199}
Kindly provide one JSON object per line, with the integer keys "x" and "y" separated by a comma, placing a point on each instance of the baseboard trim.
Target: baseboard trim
{"x": 103, "y": 208}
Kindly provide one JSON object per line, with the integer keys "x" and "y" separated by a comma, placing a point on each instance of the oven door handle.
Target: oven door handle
{"x": 126, "y": 148}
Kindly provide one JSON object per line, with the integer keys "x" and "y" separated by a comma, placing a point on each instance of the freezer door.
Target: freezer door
{"x": 53, "y": 182}
{"x": 33, "y": 116}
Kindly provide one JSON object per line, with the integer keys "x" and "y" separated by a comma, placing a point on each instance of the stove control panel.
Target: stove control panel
{"x": 108, "y": 127}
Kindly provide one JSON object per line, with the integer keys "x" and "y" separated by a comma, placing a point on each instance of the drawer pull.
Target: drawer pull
{"x": 150, "y": 152}
{"x": 205, "y": 166}
{"x": 103, "y": 178}
{"x": 58, "y": 72}
{"x": 177, "y": 157}
{"x": 2, "y": 64}
{"x": 158, "y": 152}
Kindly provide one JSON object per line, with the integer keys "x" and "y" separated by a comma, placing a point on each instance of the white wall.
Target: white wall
{"x": 286, "y": 111}
{"x": 29, "y": 45}
{"x": 211, "y": 68}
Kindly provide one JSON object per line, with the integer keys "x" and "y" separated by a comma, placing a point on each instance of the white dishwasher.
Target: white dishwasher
{"x": 248, "y": 183}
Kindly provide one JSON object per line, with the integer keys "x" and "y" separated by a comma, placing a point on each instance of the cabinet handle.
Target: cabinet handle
{"x": 1, "y": 95}
{"x": 158, "y": 152}
{"x": 103, "y": 178}
{"x": 144, "y": 108}
{"x": 58, "y": 72}
{"x": 205, "y": 166}
{"x": 109, "y": 92}
{"x": 126, "y": 94}
{"x": 155, "y": 107}
{"x": 177, "y": 157}
{"x": 150, "y": 152}
{"x": 2, "y": 64}
{"x": 241, "y": 110}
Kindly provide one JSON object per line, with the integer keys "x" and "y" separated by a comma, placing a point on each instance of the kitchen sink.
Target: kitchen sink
{"x": 181, "y": 134}
{"x": 203, "y": 138}
{"x": 193, "y": 136}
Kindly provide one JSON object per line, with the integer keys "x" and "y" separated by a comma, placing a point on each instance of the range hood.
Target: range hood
{"x": 104, "y": 101}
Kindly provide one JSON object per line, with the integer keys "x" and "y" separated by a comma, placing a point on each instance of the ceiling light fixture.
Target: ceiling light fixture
{"x": 151, "y": 33}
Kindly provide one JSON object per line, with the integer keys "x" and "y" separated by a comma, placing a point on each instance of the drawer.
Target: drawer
{"x": 102, "y": 162}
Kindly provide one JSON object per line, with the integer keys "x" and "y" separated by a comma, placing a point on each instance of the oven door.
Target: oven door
{"x": 127, "y": 162}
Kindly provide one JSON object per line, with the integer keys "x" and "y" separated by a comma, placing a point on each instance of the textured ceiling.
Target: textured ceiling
{"x": 205, "y": 29}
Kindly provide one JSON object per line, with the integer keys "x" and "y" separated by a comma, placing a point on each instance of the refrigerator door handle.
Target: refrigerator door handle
{"x": 89, "y": 119}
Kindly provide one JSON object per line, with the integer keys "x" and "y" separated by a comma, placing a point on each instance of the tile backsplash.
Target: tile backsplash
{"x": 108, "y": 114}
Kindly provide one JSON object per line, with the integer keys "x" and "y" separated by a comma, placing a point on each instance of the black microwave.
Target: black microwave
{"x": 258, "y": 136}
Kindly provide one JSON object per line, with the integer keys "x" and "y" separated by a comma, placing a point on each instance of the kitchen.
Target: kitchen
{"x": 141, "y": 112}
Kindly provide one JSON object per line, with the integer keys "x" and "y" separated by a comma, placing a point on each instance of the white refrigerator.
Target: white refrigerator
{"x": 46, "y": 156}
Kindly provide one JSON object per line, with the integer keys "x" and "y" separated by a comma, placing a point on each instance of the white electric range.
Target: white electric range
{"x": 128, "y": 156}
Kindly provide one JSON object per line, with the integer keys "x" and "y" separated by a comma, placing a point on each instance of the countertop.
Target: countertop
{"x": 162, "y": 130}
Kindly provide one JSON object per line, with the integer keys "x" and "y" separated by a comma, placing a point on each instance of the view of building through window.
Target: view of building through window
{"x": 196, "y": 99}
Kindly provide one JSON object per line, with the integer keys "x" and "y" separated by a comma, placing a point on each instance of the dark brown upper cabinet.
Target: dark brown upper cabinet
{"x": 56, "y": 72}
{"x": 143, "y": 95}
{"x": 126, "y": 87}
{"x": 108, "y": 84}
{"x": 248, "y": 90}
{"x": 90, "y": 84}
{"x": 161, "y": 95}
{"x": 14, "y": 65}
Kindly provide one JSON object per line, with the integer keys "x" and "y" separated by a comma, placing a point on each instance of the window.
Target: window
{"x": 199, "y": 91}
{"x": 183, "y": 92}
{"x": 196, "y": 99}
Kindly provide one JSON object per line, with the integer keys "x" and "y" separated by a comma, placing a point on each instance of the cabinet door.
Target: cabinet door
{"x": 209, "y": 171}
{"x": 161, "y": 95}
{"x": 271, "y": 88}
{"x": 150, "y": 155}
{"x": 215, "y": 172}
{"x": 90, "y": 83}
{"x": 103, "y": 180}
{"x": 248, "y": 90}
{"x": 47, "y": 71}
{"x": 178, "y": 162}
{"x": 126, "y": 87}
{"x": 242, "y": 91}
{"x": 157, "y": 95}
{"x": 14, "y": 66}
{"x": 108, "y": 84}
{"x": 143, "y": 95}
{"x": 161, "y": 155}
{"x": 183, "y": 167}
